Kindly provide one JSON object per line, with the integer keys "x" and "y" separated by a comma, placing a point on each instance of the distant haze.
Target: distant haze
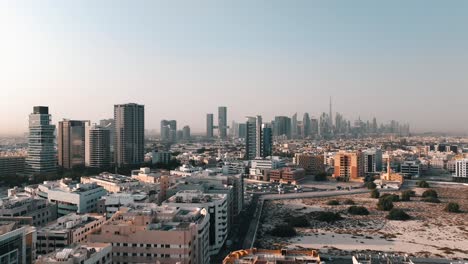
{"x": 402, "y": 60}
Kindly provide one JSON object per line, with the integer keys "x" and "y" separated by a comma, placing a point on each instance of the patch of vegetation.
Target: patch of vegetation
{"x": 430, "y": 193}
{"x": 423, "y": 184}
{"x": 358, "y": 210}
{"x": 371, "y": 185}
{"x": 406, "y": 195}
{"x": 375, "y": 194}
{"x": 349, "y": 202}
{"x": 328, "y": 217}
{"x": 283, "y": 231}
{"x": 393, "y": 197}
{"x": 322, "y": 176}
{"x": 333, "y": 202}
{"x": 431, "y": 200}
{"x": 452, "y": 208}
{"x": 398, "y": 214}
{"x": 385, "y": 203}
{"x": 298, "y": 221}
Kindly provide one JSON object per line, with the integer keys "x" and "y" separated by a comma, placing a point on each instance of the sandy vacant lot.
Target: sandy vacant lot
{"x": 430, "y": 233}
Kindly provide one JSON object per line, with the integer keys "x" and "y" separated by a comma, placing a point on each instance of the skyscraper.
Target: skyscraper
{"x": 222, "y": 121}
{"x": 41, "y": 158}
{"x": 294, "y": 126}
{"x": 282, "y": 126}
{"x": 209, "y": 125}
{"x": 129, "y": 133}
{"x": 109, "y": 124}
{"x": 169, "y": 130}
{"x": 71, "y": 143}
{"x": 97, "y": 146}
{"x": 258, "y": 137}
{"x": 267, "y": 141}
{"x": 186, "y": 133}
{"x": 306, "y": 128}
{"x": 251, "y": 138}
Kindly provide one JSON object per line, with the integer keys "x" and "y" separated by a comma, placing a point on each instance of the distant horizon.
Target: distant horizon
{"x": 156, "y": 130}
{"x": 396, "y": 60}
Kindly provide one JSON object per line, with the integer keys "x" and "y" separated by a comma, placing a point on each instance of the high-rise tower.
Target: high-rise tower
{"x": 41, "y": 158}
{"x": 209, "y": 125}
{"x": 129, "y": 134}
{"x": 71, "y": 143}
{"x": 97, "y": 146}
{"x": 222, "y": 122}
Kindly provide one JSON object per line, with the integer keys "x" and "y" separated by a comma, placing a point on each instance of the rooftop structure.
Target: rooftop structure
{"x": 71, "y": 197}
{"x": 67, "y": 230}
{"x": 89, "y": 253}
{"x": 22, "y": 204}
{"x": 111, "y": 182}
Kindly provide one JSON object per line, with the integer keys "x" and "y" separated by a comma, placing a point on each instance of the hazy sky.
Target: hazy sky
{"x": 403, "y": 60}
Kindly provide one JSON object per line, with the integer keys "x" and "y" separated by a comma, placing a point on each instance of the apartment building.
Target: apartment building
{"x": 312, "y": 164}
{"x": 71, "y": 197}
{"x": 22, "y": 204}
{"x": 111, "y": 182}
{"x": 287, "y": 175}
{"x": 216, "y": 205}
{"x": 66, "y": 231}
{"x": 349, "y": 166}
{"x": 157, "y": 234}
{"x": 89, "y": 253}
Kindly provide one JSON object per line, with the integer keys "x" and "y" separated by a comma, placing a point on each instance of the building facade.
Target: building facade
{"x": 312, "y": 164}
{"x": 71, "y": 143}
{"x": 67, "y": 230}
{"x": 41, "y": 158}
{"x": 349, "y": 166}
{"x": 129, "y": 134}
{"x": 97, "y": 146}
{"x": 222, "y": 122}
{"x": 71, "y": 197}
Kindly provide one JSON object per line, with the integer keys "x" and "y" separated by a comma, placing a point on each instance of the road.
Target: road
{"x": 312, "y": 194}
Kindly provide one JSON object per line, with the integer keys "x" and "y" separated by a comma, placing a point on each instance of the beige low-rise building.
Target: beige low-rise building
{"x": 66, "y": 231}
{"x": 148, "y": 233}
{"x": 111, "y": 182}
{"x": 89, "y": 253}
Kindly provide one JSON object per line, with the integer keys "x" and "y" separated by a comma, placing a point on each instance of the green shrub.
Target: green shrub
{"x": 431, "y": 200}
{"x": 349, "y": 202}
{"x": 406, "y": 196}
{"x": 452, "y": 208}
{"x": 321, "y": 177}
{"x": 298, "y": 221}
{"x": 283, "y": 231}
{"x": 430, "y": 193}
{"x": 375, "y": 194}
{"x": 423, "y": 184}
{"x": 333, "y": 202}
{"x": 398, "y": 214}
{"x": 358, "y": 210}
{"x": 328, "y": 217}
{"x": 393, "y": 197}
{"x": 371, "y": 185}
{"x": 385, "y": 203}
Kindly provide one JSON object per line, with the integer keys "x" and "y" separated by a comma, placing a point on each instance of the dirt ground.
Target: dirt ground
{"x": 431, "y": 232}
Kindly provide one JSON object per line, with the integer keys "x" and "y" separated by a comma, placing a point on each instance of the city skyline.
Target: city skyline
{"x": 389, "y": 60}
